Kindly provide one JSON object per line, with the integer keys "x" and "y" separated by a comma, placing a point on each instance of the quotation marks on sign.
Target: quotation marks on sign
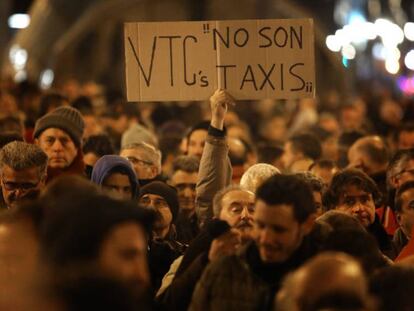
{"x": 309, "y": 87}
{"x": 206, "y": 28}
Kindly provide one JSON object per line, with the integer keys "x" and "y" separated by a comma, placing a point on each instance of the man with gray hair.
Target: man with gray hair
{"x": 145, "y": 159}
{"x": 256, "y": 175}
{"x": 401, "y": 168}
{"x": 23, "y": 171}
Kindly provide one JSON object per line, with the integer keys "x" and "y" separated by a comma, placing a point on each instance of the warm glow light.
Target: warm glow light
{"x": 390, "y": 33}
{"x": 18, "y": 57}
{"x": 392, "y": 66}
{"x": 20, "y": 76}
{"x": 393, "y": 53}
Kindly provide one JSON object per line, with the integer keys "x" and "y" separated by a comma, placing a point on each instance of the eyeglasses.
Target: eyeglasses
{"x": 137, "y": 161}
{"x": 156, "y": 203}
{"x": 12, "y": 186}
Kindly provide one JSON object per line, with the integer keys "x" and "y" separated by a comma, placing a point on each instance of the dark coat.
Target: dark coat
{"x": 243, "y": 282}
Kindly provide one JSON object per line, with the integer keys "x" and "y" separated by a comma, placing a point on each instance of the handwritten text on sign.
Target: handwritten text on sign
{"x": 252, "y": 59}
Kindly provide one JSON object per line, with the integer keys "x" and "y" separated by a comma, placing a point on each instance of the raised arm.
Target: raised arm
{"x": 215, "y": 169}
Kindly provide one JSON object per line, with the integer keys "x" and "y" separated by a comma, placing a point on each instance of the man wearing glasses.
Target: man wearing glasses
{"x": 23, "y": 172}
{"x": 145, "y": 159}
{"x": 401, "y": 168}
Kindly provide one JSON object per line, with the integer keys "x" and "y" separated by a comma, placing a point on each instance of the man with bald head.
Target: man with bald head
{"x": 371, "y": 155}
{"x": 337, "y": 275}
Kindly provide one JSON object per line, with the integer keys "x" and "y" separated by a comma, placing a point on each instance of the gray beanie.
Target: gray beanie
{"x": 66, "y": 118}
{"x": 136, "y": 134}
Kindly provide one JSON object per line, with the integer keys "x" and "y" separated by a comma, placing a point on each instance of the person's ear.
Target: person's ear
{"x": 307, "y": 225}
{"x": 398, "y": 217}
{"x": 36, "y": 141}
{"x": 154, "y": 170}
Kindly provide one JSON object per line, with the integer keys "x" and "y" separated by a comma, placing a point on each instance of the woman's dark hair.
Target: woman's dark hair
{"x": 346, "y": 178}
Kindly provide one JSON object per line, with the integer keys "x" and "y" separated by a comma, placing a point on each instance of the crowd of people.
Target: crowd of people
{"x": 290, "y": 205}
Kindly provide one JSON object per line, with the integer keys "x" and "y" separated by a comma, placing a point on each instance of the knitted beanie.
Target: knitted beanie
{"x": 165, "y": 191}
{"x": 65, "y": 118}
{"x": 136, "y": 134}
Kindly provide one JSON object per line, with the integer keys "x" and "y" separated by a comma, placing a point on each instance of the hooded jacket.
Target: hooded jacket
{"x": 108, "y": 164}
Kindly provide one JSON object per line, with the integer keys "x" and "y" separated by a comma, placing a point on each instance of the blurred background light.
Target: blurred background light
{"x": 20, "y": 76}
{"x": 390, "y": 33}
{"x": 333, "y": 43}
{"x": 378, "y": 51}
{"x": 46, "y": 79}
{"x": 18, "y": 57}
{"x": 19, "y": 21}
{"x": 409, "y": 60}
{"x": 409, "y": 31}
{"x": 348, "y": 51}
{"x": 392, "y": 66}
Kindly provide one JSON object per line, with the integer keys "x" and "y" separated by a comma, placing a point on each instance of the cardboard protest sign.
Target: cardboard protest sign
{"x": 252, "y": 59}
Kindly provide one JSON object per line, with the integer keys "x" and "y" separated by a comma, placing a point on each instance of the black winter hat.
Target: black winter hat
{"x": 165, "y": 191}
{"x": 66, "y": 118}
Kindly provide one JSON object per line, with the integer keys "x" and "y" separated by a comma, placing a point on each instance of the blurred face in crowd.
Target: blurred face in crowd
{"x": 317, "y": 197}
{"x": 360, "y": 160}
{"x": 275, "y": 130}
{"x": 58, "y": 146}
{"x": 143, "y": 167}
{"x": 123, "y": 255}
{"x": 358, "y": 203}
{"x": 406, "y": 216}
{"x": 92, "y": 126}
{"x": 196, "y": 143}
{"x": 330, "y": 148}
{"x": 185, "y": 183}
{"x": 164, "y": 216}
{"x": 352, "y": 117}
{"x": 17, "y": 185}
{"x": 237, "y": 208}
{"x": 8, "y": 104}
{"x": 118, "y": 186}
{"x": 19, "y": 261}
{"x": 90, "y": 158}
{"x": 289, "y": 155}
{"x": 324, "y": 173}
{"x": 406, "y": 174}
{"x": 406, "y": 140}
{"x": 278, "y": 233}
